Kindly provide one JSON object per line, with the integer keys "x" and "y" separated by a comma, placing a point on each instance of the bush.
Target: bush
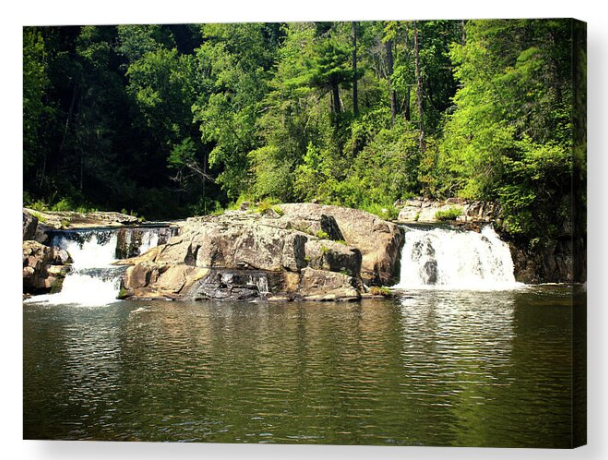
{"x": 38, "y": 205}
{"x": 266, "y": 204}
{"x": 449, "y": 214}
{"x": 62, "y": 205}
{"x": 386, "y": 212}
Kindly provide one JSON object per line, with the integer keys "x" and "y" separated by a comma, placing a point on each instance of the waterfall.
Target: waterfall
{"x": 454, "y": 259}
{"x": 92, "y": 279}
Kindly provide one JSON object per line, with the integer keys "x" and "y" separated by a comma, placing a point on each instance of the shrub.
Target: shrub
{"x": 62, "y": 205}
{"x": 266, "y": 204}
{"x": 39, "y": 216}
{"x": 449, "y": 214}
{"x": 322, "y": 235}
{"x": 386, "y": 212}
{"x": 38, "y": 205}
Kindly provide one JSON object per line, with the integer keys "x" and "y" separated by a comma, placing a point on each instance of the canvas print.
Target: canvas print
{"x": 353, "y": 233}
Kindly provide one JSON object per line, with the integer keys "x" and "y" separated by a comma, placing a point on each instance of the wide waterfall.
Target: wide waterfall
{"x": 93, "y": 279}
{"x": 447, "y": 258}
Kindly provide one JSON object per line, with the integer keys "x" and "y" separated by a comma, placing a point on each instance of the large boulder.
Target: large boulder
{"x": 378, "y": 241}
{"x": 244, "y": 255}
{"x": 44, "y": 268}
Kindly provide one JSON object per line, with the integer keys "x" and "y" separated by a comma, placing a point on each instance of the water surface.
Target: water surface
{"x": 426, "y": 368}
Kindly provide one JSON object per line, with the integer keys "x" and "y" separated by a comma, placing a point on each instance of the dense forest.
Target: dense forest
{"x": 168, "y": 121}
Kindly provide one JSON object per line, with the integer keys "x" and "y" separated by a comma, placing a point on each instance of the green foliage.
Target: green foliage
{"x": 266, "y": 204}
{"x": 35, "y": 85}
{"x": 386, "y": 212}
{"x": 176, "y": 120}
{"x": 449, "y": 214}
{"x": 510, "y": 137}
{"x": 38, "y": 205}
{"x": 321, "y": 235}
{"x": 63, "y": 205}
{"x": 39, "y": 216}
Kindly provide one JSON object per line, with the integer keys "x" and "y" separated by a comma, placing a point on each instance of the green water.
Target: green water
{"x": 433, "y": 368}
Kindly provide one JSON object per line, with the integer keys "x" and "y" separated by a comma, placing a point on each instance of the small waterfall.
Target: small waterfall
{"x": 455, "y": 259}
{"x": 93, "y": 280}
{"x": 148, "y": 241}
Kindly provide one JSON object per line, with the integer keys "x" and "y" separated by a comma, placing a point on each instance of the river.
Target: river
{"x": 428, "y": 367}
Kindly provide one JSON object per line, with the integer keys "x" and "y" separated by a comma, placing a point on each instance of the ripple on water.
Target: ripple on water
{"x": 437, "y": 368}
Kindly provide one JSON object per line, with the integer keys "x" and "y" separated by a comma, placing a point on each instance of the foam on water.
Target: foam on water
{"x": 440, "y": 258}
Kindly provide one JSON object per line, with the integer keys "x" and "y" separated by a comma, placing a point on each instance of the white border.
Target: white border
{"x": 38, "y": 12}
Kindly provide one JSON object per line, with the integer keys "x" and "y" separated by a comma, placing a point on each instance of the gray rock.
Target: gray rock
{"x": 245, "y": 256}
{"x": 30, "y": 223}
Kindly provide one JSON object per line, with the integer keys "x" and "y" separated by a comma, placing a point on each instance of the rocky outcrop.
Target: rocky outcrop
{"x": 378, "y": 241}
{"x": 44, "y": 268}
{"x": 552, "y": 263}
{"x": 30, "y": 223}
{"x": 425, "y": 210}
{"x": 307, "y": 252}
{"x": 71, "y": 219}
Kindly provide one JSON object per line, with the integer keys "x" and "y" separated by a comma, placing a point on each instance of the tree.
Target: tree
{"x": 35, "y": 106}
{"x": 510, "y": 136}
{"x": 419, "y": 89}
{"x": 355, "y": 76}
{"x": 234, "y": 63}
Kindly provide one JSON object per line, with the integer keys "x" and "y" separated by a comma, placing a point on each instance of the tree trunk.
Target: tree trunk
{"x": 464, "y": 33}
{"x": 406, "y": 113}
{"x": 419, "y": 89}
{"x": 81, "y": 169}
{"x": 407, "y": 109}
{"x": 389, "y": 58}
{"x": 69, "y": 117}
{"x": 355, "y": 95}
{"x": 336, "y": 97}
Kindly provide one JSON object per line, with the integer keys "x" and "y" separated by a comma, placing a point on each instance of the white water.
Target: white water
{"x": 92, "y": 280}
{"x": 149, "y": 240}
{"x": 98, "y": 251}
{"x": 441, "y": 258}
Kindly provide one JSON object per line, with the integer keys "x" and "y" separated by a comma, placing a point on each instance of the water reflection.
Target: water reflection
{"x": 431, "y": 368}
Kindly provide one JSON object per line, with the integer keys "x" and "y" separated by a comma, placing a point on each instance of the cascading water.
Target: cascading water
{"x": 454, "y": 259}
{"x": 92, "y": 279}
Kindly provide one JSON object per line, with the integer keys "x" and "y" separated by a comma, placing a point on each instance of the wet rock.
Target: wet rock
{"x": 323, "y": 285}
